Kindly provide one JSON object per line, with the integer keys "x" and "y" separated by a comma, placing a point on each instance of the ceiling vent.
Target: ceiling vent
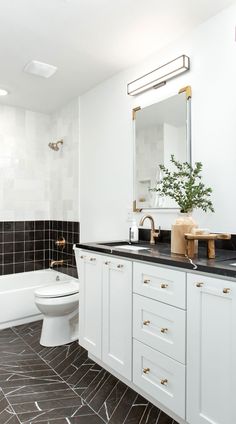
{"x": 40, "y": 69}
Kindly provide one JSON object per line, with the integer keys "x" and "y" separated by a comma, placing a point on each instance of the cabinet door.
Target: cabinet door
{"x": 159, "y": 376}
{"x": 163, "y": 284}
{"x": 211, "y": 353}
{"x": 160, "y": 326}
{"x": 90, "y": 304}
{"x": 117, "y": 315}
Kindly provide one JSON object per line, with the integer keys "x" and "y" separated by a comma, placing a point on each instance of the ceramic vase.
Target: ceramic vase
{"x": 183, "y": 224}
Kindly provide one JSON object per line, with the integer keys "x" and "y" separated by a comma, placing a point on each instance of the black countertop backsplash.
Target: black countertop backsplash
{"x": 160, "y": 254}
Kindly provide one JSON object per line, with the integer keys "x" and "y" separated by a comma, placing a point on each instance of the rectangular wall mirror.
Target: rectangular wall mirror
{"x": 160, "y": 130}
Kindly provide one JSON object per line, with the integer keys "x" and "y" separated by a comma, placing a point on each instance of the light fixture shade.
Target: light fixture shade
{"x": 159, "y": 76}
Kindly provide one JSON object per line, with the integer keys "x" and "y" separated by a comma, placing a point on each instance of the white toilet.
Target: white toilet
{"x": 59, "y": 303}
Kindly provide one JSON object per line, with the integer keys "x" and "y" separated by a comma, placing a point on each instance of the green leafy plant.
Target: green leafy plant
{"x": 185, "y": 186}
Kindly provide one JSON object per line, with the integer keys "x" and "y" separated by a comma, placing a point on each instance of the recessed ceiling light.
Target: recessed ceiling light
{"x": 40, "y": 69}
{"x": 3, "y": 92}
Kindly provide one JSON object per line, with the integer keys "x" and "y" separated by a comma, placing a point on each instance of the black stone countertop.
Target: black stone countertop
{"x": 160, "y": 254}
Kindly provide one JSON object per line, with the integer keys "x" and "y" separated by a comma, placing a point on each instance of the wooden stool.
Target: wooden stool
{"x": 209, "y": 238}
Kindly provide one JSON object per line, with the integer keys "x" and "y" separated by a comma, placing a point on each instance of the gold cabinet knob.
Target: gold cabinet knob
{"x": 146, "y": 281}
{"x": 164, "y": 286}
{"x": 199, "y": 284}
{"x": 146, "y": 322}
{"x": 226, "y": 290}
{"x": 82, "y": 257}
{"x": 164, "y": 381}
{"x": 164, "y": 330}
{"x": 92, "y": 259}
{"x": 106, "y": 263}
{"x": 146, "y": 370}
{"x": 120, "y": 266}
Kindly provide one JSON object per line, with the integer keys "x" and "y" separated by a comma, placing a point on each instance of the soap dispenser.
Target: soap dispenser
{"x": 133, "y": 232}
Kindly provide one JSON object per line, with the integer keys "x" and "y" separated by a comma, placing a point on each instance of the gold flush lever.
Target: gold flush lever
{"x": 226, "y": 290}
{"x": 146, "y": 370}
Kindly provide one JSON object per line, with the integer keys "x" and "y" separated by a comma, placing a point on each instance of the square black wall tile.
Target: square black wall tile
{"x": 19, "y": 226}
{"x": 8, "y": 226}
{"x": 29, "y": 225}
{"x": 8, "y": 237}
{"x": 19, "y": 267}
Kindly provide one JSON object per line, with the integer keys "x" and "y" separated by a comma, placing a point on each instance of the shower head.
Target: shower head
{"x": 55, "y": 146}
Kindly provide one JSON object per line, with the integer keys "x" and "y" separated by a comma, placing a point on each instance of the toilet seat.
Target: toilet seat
{"x": 58, "y": 290}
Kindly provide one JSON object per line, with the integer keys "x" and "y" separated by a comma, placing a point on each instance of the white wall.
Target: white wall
{"x": 64, "y": 171}
{"x": 106, "y": 155}
{"x": 24, "y": 178}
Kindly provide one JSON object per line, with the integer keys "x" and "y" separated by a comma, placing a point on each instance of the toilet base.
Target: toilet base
{"x": 57, "y": 331}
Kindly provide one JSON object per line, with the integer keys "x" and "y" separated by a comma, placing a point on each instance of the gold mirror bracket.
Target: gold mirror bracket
{"x": 134, "y": 111}
{"x": 135, "y": 209}
{"x": 187, "y": 90}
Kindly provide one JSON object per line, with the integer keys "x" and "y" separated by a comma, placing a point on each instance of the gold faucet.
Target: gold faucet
{"x": 153, "y": 234}
{"x": 55, "y": 263}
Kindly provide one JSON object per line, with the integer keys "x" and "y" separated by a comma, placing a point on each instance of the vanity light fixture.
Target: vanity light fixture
{"x": 159, "y": 76}
{"x": 3, "y": 92}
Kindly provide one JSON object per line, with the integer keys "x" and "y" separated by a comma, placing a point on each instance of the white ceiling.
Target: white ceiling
{"x": 88, "y": 40}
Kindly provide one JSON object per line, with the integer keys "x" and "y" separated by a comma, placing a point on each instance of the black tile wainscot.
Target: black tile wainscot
{"x": 70, "y": 231}
{"x": 30, "y": 245}
{"x": 61, "y": 385}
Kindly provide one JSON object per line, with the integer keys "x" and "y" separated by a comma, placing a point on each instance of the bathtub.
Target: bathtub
{"x": 17, "y": 295}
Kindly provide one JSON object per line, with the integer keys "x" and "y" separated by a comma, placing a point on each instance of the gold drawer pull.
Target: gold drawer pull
{"x": 92, "y": 259}
{"x": 164, "y": 286}
{"x": 164, "y": 330}
{"x": 199, "y": 284}
{"x": 164, "y": 381}
{"x": 146, "y": 322}
{"x": 146, "y": 281}
{"x": 226, "y": 290}
{"x": 120, "y": 266}
{"x": 146, "y": 370}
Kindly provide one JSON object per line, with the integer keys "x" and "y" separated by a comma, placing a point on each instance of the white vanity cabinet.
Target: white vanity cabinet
{"x": 168, "y": 333}
{"x": 105, "y": 317}
{"x": 90, "y": 303}
{"x": 159, "y": 329}
{"x": 117, "y": 315}
{"x": 211, "y": 350}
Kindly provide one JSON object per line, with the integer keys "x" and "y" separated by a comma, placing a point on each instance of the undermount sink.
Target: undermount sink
{"x": 124, "y": 245}
{"x": 131, "y": 247}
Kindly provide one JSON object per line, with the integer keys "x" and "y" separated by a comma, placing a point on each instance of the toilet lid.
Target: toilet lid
{"x": 58, "y": 290}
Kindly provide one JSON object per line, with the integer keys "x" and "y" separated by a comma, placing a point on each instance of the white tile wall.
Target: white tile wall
{"x": 24, "y": 177}
{"x": 36, "y": 182}
{"x": 64, "y": 164}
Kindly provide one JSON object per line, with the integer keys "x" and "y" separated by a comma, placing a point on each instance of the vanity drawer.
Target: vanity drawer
{"x": 159, "y": 376}
{"x": 165, "y": 285}
{"x": 160, "y": 326}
